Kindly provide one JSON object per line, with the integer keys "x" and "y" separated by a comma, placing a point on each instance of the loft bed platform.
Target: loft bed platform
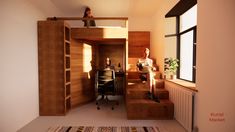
{"x": 97, "y": 32}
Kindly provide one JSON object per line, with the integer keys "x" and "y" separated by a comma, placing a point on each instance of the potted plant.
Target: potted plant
{"x": 171, "y": 65}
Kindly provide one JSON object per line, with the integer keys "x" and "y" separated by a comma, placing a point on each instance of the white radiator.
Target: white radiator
{"x": 183, "y": 100}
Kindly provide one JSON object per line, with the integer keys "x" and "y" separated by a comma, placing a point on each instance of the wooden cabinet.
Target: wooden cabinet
{"x": 54, "y": 67}
{"x": 119, "y": 78}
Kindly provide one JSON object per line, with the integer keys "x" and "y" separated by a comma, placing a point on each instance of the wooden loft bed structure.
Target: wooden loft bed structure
{"x": 97, "y": 32}
{"x": 68, "y": 54}
{"x": 69, "y": 57}
{"x": 100, "y": 34}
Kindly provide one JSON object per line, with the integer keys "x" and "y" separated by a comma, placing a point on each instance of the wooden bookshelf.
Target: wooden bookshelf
{"x": 54, "y": 67}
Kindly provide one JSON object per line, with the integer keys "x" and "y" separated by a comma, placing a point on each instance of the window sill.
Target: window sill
{"x": 185, "y": 84}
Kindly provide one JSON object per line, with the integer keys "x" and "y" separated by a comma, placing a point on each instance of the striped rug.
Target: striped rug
{"x": 102, "y": 129}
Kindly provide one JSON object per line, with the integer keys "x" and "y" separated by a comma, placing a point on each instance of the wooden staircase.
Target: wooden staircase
{"x": 139, "y": 106}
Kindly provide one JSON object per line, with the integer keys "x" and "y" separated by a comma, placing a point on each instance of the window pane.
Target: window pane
{"x": 170, "y": 47}
{"x": 186, "y": 56}
{"x": 170, "y": 25}
{"x": 188, "y": 19}
{"x": 87, "y": 57}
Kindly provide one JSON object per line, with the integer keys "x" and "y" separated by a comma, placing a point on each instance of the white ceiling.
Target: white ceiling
{"x": 125, "y": 8}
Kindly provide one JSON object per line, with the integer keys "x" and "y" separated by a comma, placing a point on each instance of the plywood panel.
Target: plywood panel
{"x": 99, "y": 33}
{"x": 114, "y": 52}
{"x": 137, "y": 42}
{"x": 51, "y": 68}
{"x": 82, "y": 82}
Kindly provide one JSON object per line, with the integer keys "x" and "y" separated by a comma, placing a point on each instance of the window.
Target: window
{"x": 187, "y": 44}
{"x": 186, "y": 26}
{"x": 188, "y": 19}
{"x": 186, "y": 56}
{"x": 87, "y": 57}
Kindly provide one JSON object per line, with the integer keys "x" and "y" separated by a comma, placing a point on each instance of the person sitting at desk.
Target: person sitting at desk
{"x": 88, "y": 14}
{"x": 108, "y": 65}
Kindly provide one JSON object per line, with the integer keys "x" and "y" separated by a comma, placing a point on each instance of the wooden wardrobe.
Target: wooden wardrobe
{"x": 54, "y": 67}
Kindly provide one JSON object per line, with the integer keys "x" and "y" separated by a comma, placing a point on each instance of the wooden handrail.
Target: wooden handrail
{"x": 81, "y": 18}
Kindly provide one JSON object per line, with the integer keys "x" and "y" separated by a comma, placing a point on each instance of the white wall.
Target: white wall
{"x": 157, "y": 46}
{"x": 138, "y": 11}
{"x": 19, "y": 63}
{"x": 139, "y": 23}
{"x": 215, "y": 65}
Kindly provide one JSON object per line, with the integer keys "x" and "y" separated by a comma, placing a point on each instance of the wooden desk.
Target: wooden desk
{"x": 120, "y": 80}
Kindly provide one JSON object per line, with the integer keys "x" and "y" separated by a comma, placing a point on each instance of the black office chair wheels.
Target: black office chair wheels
{"x": 112, "y": 108}
{"x": 98, "y": 108}
{"x": 96, "y": 103}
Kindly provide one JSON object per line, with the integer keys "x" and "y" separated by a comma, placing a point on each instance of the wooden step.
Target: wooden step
{"x": 149, "y": 109}
{"x": 161, "y": 93}
{"x": 134, "y": 94}
{"x": 136, "y": 75}
{"x": 142, "y": 93}
{"x": 133, "y": 75}
{"x": 159, "y": 83}
{"x": 137, "y": 84}
{"x": 138, "y": 90}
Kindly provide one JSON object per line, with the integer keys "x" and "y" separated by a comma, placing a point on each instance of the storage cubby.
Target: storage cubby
{"x": 67, "y": 64}
{"x": 67, "y": 33}
{"x": 67, "y": 76}
{"x": 68, "y": 103}
{"x": 67, "y": 48}
{"x": 67, "y": 68}
{"x": 68, "y": 89}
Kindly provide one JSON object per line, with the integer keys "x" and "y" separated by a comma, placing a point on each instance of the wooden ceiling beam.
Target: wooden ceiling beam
{"x": 181, "y": 7}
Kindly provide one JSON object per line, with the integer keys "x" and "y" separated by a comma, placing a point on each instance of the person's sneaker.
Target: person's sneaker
{"x": 150, "y": 95}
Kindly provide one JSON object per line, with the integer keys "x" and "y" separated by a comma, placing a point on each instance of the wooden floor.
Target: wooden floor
{"x": 88, "y": 115}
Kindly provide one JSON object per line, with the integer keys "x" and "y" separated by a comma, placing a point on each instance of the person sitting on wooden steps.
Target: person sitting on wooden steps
{"x": 146, "y": 69}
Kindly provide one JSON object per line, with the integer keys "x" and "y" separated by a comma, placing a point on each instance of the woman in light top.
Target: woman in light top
{"x": 145, "y": 67}
{"x": 145, "y": 64}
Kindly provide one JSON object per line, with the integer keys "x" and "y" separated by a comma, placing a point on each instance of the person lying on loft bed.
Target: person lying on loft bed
{"x": 88, "y": 14}
{"x": 146, "y": 69}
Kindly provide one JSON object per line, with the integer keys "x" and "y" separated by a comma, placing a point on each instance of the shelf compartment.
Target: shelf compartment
{"x": 67, "y": 48}
{"x": 68, "y": 103}
{"x": 67, "y": 63}
{"x": 68, "y": 90}
{"x": 67, "y": 75}
{"x": 67, "y": 33}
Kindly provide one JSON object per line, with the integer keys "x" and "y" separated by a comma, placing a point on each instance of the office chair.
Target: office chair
{"x": 105, "y": 85}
